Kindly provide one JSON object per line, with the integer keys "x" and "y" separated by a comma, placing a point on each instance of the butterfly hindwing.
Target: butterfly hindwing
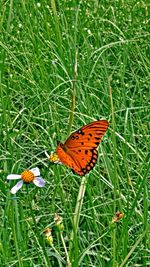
{"x": 86, "y": 160}
{"x": 81, "y": 161}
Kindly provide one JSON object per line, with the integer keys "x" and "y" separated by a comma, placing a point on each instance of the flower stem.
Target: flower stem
{"x": 16, "y": 231}
{"x": 38, "y": 238}
{"x": 65, "y": 248}
{"x": 59, "y": 257}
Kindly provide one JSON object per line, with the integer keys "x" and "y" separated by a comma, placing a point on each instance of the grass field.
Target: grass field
{"x": 96, "y": 53}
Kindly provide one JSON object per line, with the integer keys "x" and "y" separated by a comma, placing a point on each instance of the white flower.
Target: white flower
{"x": 27, "y": 176}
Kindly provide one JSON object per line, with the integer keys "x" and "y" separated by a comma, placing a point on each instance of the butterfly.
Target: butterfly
{"x": 79, "y": 152}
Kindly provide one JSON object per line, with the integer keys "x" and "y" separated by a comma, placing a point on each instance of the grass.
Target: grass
{"x": 65, "y": 64}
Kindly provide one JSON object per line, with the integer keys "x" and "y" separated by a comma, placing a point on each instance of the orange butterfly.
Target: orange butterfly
{"x": 79, "y": 151}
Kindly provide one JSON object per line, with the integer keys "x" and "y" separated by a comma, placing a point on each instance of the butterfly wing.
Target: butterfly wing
{"x": 79, "y": 151}
{"x": 89, "y": 136}
{"x": 80, "y": 163}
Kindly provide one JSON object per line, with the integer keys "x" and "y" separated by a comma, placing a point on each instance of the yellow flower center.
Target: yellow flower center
{"x": 27, "y": 176}
{"x": 53, "y": 157}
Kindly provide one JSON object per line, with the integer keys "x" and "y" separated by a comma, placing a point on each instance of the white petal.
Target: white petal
{"x": 16, "y": 187}
{"x": 39, "y": 181}
{"x": 35, "y": 171}
{"x": 13, "y": 177}
{"x": 47, "y": 155}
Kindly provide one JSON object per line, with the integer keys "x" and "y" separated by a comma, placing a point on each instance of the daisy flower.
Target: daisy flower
{"x": 27, "y": 176}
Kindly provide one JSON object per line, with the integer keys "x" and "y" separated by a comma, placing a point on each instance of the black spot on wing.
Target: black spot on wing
{"x": 80, "y": 132}
{"x": 97, "y": 143}
{"x": 97, "y": 138}
{"x": 74, "y": 137}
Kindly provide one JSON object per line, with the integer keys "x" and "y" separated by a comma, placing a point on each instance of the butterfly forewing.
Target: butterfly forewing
{"x": 89, "y": 136}
{"x": 79, "y": 151}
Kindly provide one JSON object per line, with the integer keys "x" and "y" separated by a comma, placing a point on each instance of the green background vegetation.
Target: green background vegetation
{"x": 39, "y": 40}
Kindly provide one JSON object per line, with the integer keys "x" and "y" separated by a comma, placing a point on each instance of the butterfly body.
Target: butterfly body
{"x": 79, "y": 152}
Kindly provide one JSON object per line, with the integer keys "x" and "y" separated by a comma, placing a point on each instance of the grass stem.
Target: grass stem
{"x": 73, "y": 94}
